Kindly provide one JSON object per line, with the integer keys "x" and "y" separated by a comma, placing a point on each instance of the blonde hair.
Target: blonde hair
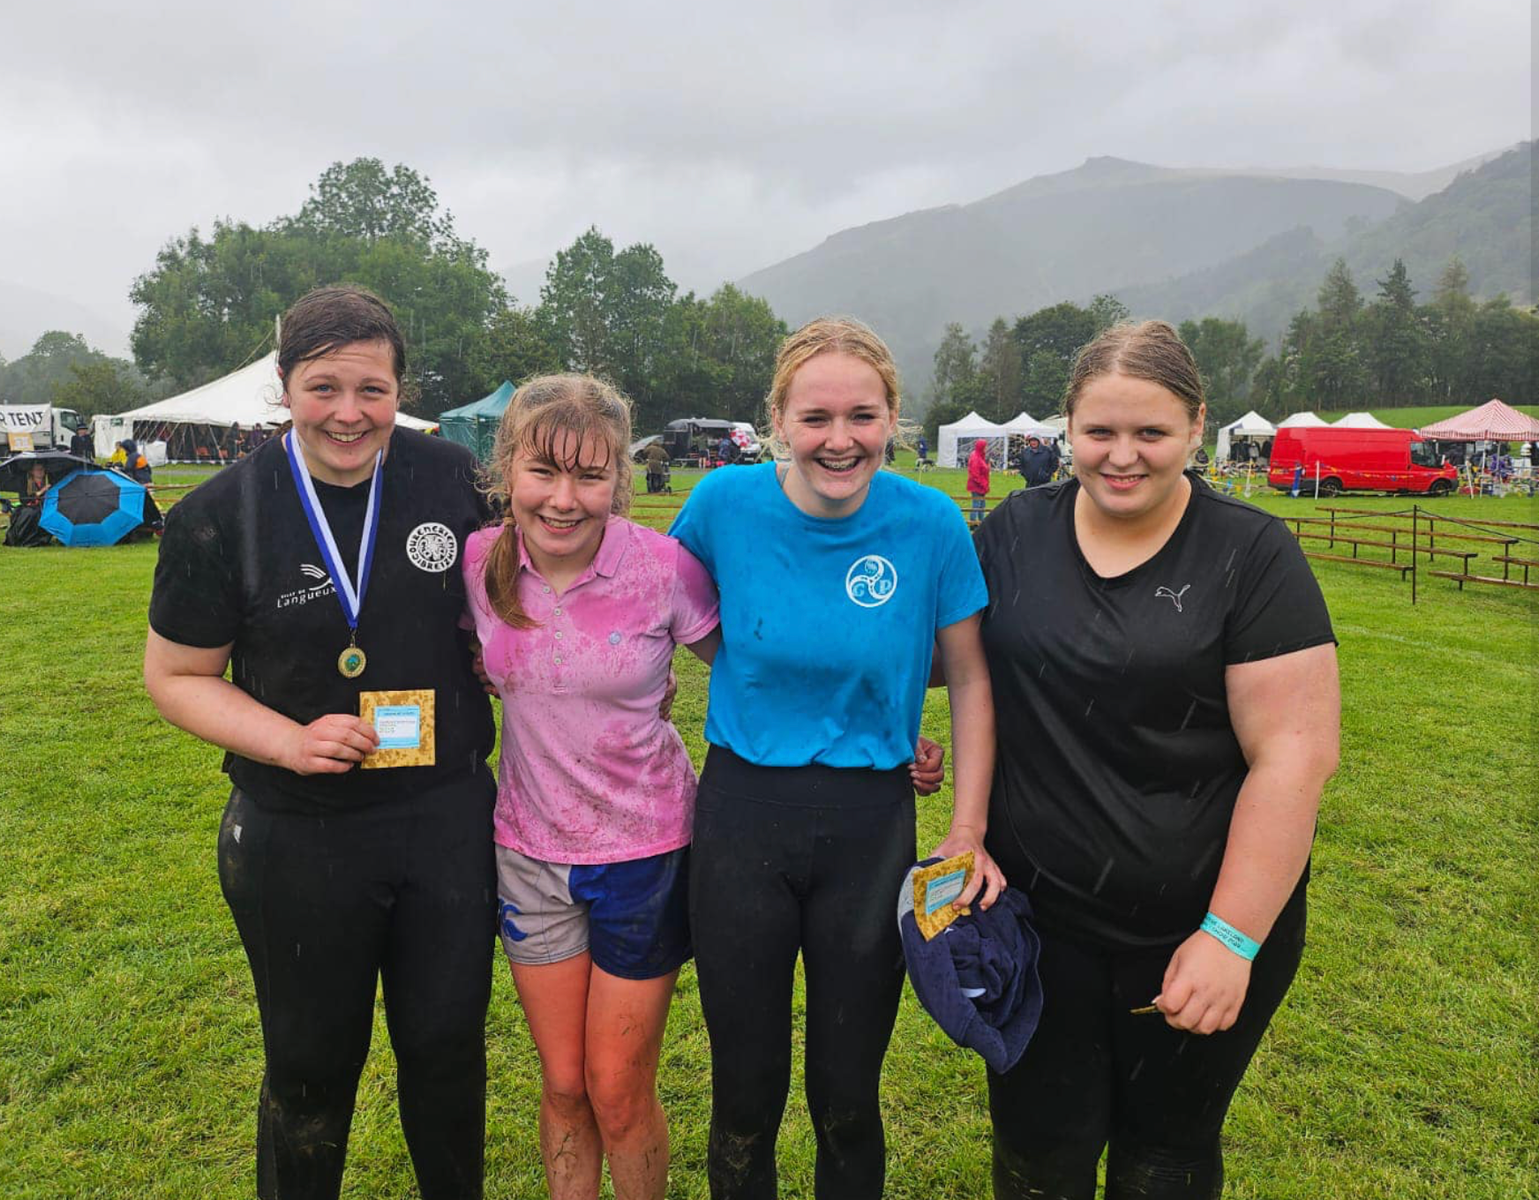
{"x": 1149, "y": 350}
{"x": 830, "y": 335}
{"x": 552, "y": 417}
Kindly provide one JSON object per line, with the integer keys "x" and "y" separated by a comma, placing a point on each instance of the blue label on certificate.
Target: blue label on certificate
{"x": 943, "y": 889}
{"x": 399, "y": 726}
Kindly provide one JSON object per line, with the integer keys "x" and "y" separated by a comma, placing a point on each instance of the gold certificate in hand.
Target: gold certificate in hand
{"x": 404, "y": 722}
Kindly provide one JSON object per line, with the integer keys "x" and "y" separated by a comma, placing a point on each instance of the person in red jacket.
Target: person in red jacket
{"x": 977, "y": 479}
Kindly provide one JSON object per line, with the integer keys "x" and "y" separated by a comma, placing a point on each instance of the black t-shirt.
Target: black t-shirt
{"x": 81, "y": 446}
{"x": 1117, "y": 768}
{"x": 238, "y": 564}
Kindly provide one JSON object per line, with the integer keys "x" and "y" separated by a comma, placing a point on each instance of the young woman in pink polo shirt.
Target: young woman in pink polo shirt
{"x": 578, "y": 611}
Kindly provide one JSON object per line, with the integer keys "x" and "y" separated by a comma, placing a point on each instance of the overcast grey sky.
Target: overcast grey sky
{"x": 730, "y": 136}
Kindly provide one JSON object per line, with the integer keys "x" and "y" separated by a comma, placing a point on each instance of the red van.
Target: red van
{"x": 1359, "y": 460}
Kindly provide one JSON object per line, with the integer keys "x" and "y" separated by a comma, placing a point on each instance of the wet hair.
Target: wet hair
{"x": 830, "y": 335}
{"x": 1150, "y": 350}
{"x": 551, "y": 417}
{"x": 328, "y": 318}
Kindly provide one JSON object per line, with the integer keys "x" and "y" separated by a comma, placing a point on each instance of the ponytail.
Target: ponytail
{"x": 501, "y": 579}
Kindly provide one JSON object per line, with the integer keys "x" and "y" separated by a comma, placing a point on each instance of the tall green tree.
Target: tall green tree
{"x": 1337, "y": 376}
{"x": 1107, "y": 311}
{"x": 1227, "y": 357}
{"x": 208, "y": 304}
{"x": 956, "y": 362}
{"x": 1450, "y": 323}
{"x": 35, "y": 376}
{"x": 513, "y": 348}
{"x": 104, "y": 386}
{"x": 1002, "y": 373}
{"x": 1049, "y": 339}
{"x": 363, "y": 200}
{"x": 1397, "y": 344}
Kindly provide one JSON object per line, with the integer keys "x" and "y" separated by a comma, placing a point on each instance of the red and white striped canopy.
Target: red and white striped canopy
{"x": 1493, "y": 421}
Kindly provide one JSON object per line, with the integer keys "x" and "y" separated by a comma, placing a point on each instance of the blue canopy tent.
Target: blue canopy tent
{"x": 475, "y": 424}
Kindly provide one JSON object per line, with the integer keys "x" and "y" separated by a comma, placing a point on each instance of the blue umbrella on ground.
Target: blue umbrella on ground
{"x": 94, "y": 508}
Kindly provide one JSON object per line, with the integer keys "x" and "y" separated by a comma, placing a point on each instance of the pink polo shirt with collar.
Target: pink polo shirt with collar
{"x": 589, "y": 772}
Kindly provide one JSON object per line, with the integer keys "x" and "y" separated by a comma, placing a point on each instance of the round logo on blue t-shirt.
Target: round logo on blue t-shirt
{"x": 871, "y": 581}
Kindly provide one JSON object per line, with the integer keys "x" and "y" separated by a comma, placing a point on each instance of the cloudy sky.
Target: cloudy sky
{"x": 729, "y": 135}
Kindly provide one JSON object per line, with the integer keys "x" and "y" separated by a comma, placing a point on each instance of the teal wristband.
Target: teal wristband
{"x": 1231, "y": 937}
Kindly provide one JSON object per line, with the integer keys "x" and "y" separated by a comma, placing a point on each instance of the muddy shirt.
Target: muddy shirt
{"x": 238, "y": 564}
{"x": 1118, "y": 768}
{"x": 589, "y": 772}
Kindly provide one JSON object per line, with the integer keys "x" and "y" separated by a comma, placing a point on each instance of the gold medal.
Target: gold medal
{"x": 351, "y": 662}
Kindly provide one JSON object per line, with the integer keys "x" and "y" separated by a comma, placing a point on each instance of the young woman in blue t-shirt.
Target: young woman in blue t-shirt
{"x": 837, "y": 584}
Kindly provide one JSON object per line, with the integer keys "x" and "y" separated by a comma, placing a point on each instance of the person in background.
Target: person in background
{"x": 657, "y": 467}
{"x": 978, "y": 480}
{"x": 34, "y": 485}
{"x": 1164, "y": 670}
{"x": 923, "y": 459}
{"x": 134, "y": 462}
{"x": 81, "y": 445}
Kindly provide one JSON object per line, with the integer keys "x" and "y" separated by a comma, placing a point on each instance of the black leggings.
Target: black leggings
{"x": 1094, "y": 1074}
{"x": 787, "y": 859}
{"x": 326, "y": 906}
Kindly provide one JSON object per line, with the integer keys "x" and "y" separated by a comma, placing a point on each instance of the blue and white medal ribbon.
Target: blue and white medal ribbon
{"x": 352, "y": 660}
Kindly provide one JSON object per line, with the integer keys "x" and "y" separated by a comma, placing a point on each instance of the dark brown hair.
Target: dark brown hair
{"x": 329, "y": 318}
{"x": 551, "y": 417}
{"x": 1150, "y": 350}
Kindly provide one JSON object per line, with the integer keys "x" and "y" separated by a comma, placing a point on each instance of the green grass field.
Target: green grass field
{"x": 1402, "y": 1064}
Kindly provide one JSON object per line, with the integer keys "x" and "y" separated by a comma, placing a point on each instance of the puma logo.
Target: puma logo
{"x": 1173, "y": 597}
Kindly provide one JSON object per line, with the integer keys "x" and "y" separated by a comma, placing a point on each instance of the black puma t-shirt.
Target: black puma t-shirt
{"x": 238, "y": 564}
{"x": 1117, "y": 768}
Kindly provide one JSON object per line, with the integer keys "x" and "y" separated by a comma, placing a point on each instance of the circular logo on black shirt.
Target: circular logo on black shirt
{"x": 871, "y": 581}
{"x": 432, "y": 547}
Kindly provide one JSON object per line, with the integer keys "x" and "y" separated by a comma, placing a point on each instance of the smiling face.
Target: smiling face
{"x": 1131, "y": 440}
{"x": 835, "y": 421}
{"x": 561, "y": 502}
{"x": 343, "y": 404}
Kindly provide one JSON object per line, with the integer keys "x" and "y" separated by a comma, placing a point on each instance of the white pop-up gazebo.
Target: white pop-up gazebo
{"x": 1361, "y": 420}
{"x": 1026, "y": 425}
{"x": 1302, "y": 420}
{"x": 956, "y": 441}
{"x": 1252, "y": 426}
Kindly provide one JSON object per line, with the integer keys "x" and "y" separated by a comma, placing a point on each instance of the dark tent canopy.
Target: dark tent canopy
{"x": 475, "y": 424}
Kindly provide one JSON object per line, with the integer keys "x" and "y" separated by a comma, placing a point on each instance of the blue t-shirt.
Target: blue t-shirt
{"x": 827, "y": 626}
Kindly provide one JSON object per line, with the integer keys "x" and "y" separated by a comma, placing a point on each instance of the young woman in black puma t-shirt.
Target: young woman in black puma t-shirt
{"x": 341, "y": 878}
{"x": 1167, "y": 704}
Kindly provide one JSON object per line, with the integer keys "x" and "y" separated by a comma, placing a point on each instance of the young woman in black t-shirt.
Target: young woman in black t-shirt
{"x": 338, "y": 877}
{"x": 1165, "y": 681}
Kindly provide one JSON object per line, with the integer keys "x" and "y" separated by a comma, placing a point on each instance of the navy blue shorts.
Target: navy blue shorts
{"x": 632, "y": 917}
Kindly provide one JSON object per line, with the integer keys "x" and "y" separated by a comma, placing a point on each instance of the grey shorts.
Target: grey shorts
{"x": 632, "y": 916}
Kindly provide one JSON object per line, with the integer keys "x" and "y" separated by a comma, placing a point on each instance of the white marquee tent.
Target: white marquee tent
{"x": 248, "y": 396}
{"x": 1251, "y": 426}
{"x": 1026, "y": 425}
{"x": 956, "y": 441}
{"x": 1361, "y": 420}
{"x": 1305, "y": 420}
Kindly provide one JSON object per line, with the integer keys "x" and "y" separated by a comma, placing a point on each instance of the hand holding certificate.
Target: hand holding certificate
{"x": 404, "y": 722}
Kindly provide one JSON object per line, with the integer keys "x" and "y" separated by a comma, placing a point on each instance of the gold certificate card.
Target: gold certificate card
{"x": 404, "y": 722}
{"x": 935, "y": 887}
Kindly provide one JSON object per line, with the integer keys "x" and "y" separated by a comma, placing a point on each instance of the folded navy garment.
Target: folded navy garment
{"x": 978, "y": 977}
